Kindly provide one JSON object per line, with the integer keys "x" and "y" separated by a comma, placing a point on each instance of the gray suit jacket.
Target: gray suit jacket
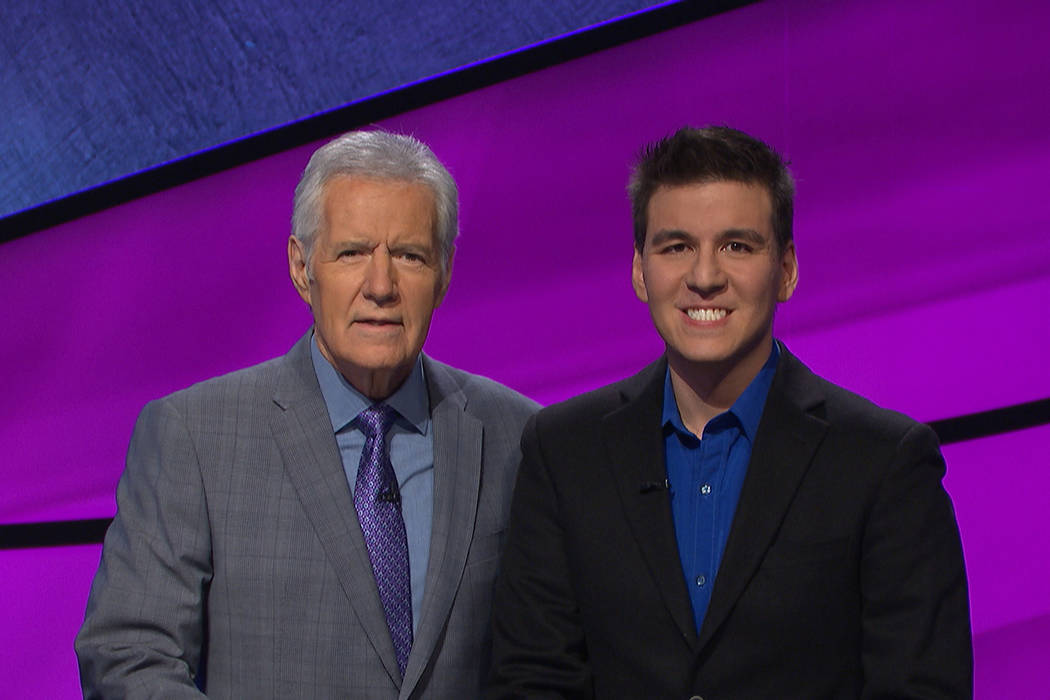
{"x": 236, "y": 563}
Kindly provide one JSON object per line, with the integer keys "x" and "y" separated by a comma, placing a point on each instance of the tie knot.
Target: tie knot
{"x": 377, "y": 419}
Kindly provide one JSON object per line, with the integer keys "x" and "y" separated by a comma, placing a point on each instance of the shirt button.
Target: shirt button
{"x": 696, "y": 697}
{"x": 705, "y": 489}
{"x": 701, "y": 580}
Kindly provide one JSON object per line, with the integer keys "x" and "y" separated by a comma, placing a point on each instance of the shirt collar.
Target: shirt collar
{"x": 345, "y": 403}
{"x": 747, "y": 409}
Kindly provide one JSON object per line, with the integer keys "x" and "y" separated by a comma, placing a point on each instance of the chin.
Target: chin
{"x": 695, "y": 352}
{"x": 385, "y": 364}
{"x": 711, "y": 356}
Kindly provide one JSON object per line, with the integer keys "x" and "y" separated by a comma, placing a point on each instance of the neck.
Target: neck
{"x": 377, "y": 385}
{"x": 703, "y": 390}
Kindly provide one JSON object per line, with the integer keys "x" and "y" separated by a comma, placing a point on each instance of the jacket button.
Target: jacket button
{"x": 696, "y": 697}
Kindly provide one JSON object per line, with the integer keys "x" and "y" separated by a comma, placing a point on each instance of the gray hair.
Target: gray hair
{"x": 380, "y": 155}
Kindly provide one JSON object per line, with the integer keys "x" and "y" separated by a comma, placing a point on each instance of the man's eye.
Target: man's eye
{"x": 738, "y": 247}
{"x": 674, "y": 248}
{"x": 414, "y": 258}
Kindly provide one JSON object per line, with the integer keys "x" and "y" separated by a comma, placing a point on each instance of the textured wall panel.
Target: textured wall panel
{"x": 93, "y": 91}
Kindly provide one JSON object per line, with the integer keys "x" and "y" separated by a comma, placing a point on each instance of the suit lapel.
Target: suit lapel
{"x": 787, "y": 438}
{"x": 303, "y": 432}
{"x": 634, "y": 438}
{"x": 457, "y": 477}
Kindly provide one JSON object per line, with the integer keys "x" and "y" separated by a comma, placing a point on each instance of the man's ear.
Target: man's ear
{"x": 788, "y": 273}
{"x": 445, "y": 278}
{"x": 297, "y": 264}
{"x": 638, "y": 278}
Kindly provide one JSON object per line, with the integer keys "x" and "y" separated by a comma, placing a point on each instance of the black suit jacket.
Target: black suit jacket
{"x": 842, "y": 576}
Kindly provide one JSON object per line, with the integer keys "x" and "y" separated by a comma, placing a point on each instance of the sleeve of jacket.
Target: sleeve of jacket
{"x": 144, "y": 626}
{"x": 915, "y": 611}
{"x": 538, "y": 639}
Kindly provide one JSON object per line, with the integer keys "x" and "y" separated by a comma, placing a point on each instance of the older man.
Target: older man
{"x": 326, "y": 524}
{"x": 726, "y": 524}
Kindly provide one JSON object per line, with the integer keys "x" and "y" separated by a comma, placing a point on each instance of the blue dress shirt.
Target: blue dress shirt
{"x": 411, "y": 448}
{"x": 705, "y": 478}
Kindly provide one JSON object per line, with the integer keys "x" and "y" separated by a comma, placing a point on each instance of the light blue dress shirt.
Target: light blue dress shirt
{"x": 706, "y": 475}
{"x": 410, "y": 444}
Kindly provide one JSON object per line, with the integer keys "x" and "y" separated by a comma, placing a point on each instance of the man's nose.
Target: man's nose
{"x": 380, "y": 277}
{"x": 706, "y": 275}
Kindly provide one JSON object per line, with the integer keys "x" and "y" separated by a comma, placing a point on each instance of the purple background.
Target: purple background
{"x": 918, "y": 135}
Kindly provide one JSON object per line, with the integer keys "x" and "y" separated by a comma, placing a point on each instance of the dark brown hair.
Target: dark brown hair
{"x": 712, "y": 154}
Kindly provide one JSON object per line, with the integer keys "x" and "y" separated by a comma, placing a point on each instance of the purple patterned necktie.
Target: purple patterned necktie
{"x": 378, "y": 506}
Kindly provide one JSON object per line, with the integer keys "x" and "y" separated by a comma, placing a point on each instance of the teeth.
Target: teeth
{"x": 706, "y": 314}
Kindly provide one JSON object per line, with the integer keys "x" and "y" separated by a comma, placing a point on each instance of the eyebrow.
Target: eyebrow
{"x": 747, "y": 234}
{"x": 668, "y": 235}
{"x": 410, "y": 245}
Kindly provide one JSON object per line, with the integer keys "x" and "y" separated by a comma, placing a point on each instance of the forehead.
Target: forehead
{"x": 361, "y": 206}
{"x": 710, "y": 207}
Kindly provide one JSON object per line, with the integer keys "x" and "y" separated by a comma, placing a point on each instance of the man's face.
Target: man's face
{"x": 377, "y": 278}
{"x": 712, "y": 276}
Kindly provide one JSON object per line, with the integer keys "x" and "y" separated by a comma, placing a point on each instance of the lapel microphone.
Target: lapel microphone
{"x": 391, "y": 495}
{"x": 649, "y": 486}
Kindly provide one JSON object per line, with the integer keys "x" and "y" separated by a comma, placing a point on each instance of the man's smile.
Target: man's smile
{"x": 706, "y": 314}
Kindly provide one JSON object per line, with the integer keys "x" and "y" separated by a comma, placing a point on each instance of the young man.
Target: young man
{"x": 726, "y": 524}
